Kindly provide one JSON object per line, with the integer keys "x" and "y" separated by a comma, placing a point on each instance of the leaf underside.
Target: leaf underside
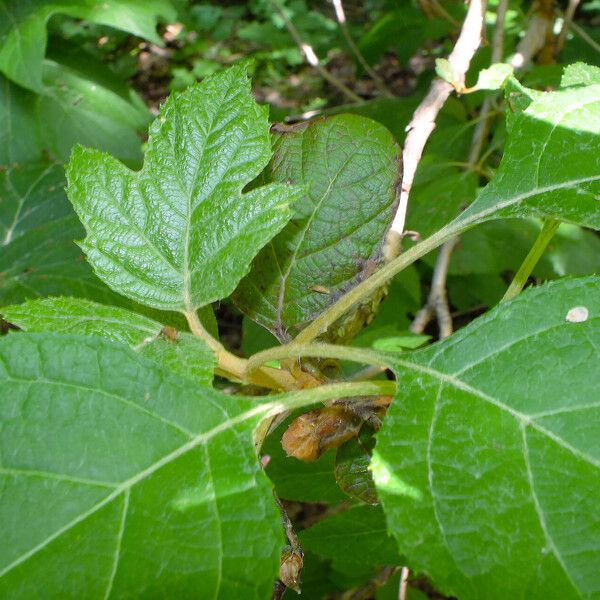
{"x": 350, "y": 166}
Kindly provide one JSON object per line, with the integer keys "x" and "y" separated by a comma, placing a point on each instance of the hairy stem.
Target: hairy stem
{"x": 334, "y": 391}
{"x": 234, "y": 367}
{"x": 525, "y": 270}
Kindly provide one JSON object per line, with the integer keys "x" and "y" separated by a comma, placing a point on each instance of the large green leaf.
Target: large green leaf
{"x": 76, "y": 105}
{"x": 77, "y": 108}
{"x": 19, "y": 137}
{"x": 550, "y": 166}
{"x": 119, "y": 479}
{"x": 180, "y": 234}
{"x": 37, "y": 229}
{"x": 351, "y": 167}
{"x": 23, "y": 33}
{"x": 179, "y": 352}
{"x": 488, "y": 462}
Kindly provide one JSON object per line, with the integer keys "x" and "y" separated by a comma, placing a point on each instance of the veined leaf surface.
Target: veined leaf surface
{"x": 120, "y": 479}
{"x": 488, "y": 461}
{"x": 550, "y": 167}
{"x": 350, "y": 166}
{"x": 180, "y": 233}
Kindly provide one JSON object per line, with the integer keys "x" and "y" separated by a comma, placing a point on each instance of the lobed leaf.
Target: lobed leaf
{"x": 488, "y": 461}
{"x": 180, "y": 234}
{"x": 350, "y": 166}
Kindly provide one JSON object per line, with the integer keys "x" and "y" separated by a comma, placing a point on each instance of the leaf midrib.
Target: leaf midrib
{"x": 526, "y": 420}
{"x": 132, "y": 481}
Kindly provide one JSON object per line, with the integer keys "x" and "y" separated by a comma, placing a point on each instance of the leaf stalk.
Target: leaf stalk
{"x": 539, "y": 246}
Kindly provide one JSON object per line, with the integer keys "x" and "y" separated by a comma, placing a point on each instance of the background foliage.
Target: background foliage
{"x": 128, "y": 463}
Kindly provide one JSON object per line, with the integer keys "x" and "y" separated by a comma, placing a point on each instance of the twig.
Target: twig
{"x": 423, "y": 121}
{"x": 532, "y": 258}
{"x": 311, "y": 58}
{"x": 437, "y": 302}
{"x": 567, "y": 20}
{"x": 533, "y": 40}
{"x": 403, "y": 583}
{"x": 369, "y": 589}
{"x": 582, "y": 33}
{"x": 341, "y": 19}
{"x": 442, "y": 12}
{"x": 292, "y": 559}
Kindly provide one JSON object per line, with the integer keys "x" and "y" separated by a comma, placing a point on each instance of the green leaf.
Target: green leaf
{"x": 435, "y": 202}
{"x": 488, "y": 461}
{"x": 181, "y": 353}
{"x": 350, "y": 166}
{"x": 354, "y": 538}
{"x": 19, "y": 138}
{"x": 580, "y": 74}
{"x": 76, "y": 106}
{"x": 400, "y": 343}
{"x": 548, "y": 168}
{"x": 352, "y": 472}
{"x": 23, "y": 33}
{"x": 180, "y": 234}
{"x": 37, "y": 253}
{"x": 492, "y": 78}
{"x": 120, "y": 479}
{"x": 445, "y": 69}
{"x": 37, "y": 228}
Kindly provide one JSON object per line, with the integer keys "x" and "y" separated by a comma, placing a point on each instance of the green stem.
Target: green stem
{"x": 368, "y": 286}
{"x": 525, "y": 270}
{"x": 334, "y": 391}
{"x": 317, "y": 351}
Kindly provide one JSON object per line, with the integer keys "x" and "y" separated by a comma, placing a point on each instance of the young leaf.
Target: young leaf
{"x": 180, "y": 352}
{"x": 493, "y": 77}
{"x": 121, "y": 479}
{"x": 488, "y": 461}
{"x": 180, "y": 233}
{"x": 351, "y": 166}
{"x": 23, "y": 29}
{"x": 548, "y": 169}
